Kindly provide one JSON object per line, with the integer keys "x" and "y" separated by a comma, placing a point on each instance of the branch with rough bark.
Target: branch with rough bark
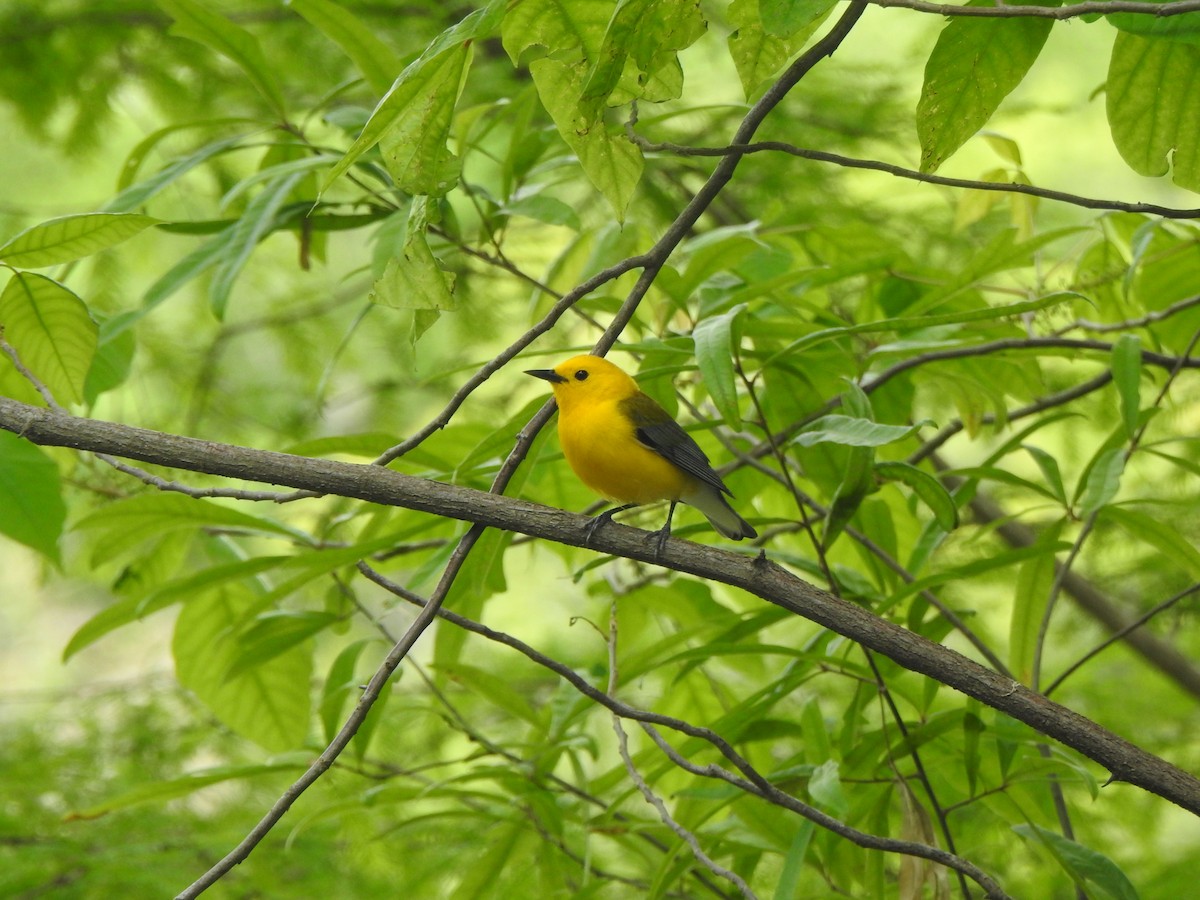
{"x": 759, "y": 576}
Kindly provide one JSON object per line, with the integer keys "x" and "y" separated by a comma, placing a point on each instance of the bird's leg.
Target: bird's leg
{"x": 601, "y": 519}
{"x": 664, "y": 533}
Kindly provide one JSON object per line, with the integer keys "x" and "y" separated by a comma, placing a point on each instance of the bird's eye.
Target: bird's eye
{"x": 581, "y": 375}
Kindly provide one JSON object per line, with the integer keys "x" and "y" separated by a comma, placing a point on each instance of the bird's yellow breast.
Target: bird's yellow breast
{"x": 599, "y": 443}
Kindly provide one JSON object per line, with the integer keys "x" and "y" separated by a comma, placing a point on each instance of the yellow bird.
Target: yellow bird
{"x": 628, "y": 449}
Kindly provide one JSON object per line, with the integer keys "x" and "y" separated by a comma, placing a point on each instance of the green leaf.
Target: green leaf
{"x": 1082, "y": 863}
{"x": 51, "y": 330}
{"x": 195, "y": 21}
{"x": 136, "y": 608}
{"x": 252, "y": 226}
{"x": 191, "y": 266}
{"x": 611, "y": 162}
{"x": 715, "y": 340}
{"x": 378, "y": 64}
{"x": 979, "y": 567}
{"x": 1031, "y": 593}
{"x": 1183, "y": 27}
{"x": 174, "y": 788}
{"x": 414, "y": 143}
{"x": 1050, "y": 472}
{"x": 555, "y": 27}
{"x": 1153, "y": 110}
{"x": 429, "y": 79}
{"x": 975, "y": 64}
{"x": 495, "y": 690}
{"x": 269, "y": 704}
{"x": 825, "y": 787}
{"x": 550, "y": 210}
{"x": 71, "y": 237}
{"x": 340, "y": 686}
{"x": 134, "y": 196}
{"x": 413, "y": 279}
{"x": 928, "y": 488}
{"x": 126, "y": 524}
{"x": 852, "y": 432}
{"x": 645, "y": 35}
{"x": 783, "y": 18}
{"x": 857, "y": 482}
{"x": 30, "y": 496}
{"x": 1103, "y": 480}
{"x": 1157, "y": 533}
{"x": 111, "y": 364}
{"x": 1127, "y": 371}
{"x": 276, "y": 632}
{"x": 766, "y": 36}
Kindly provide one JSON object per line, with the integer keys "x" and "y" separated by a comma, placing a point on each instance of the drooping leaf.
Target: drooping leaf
{"x": 269, "y": 703}
{"x": 1127, "y": 372}
{"x": 715, "y": 339}
{"x": 340, "y": 686}
{"x": 1158, "y": 534}
{"x": 30, "y": 496}
{"x": 1152, "y": 109}
{"x": 419, "y": 96}
{"x": 975, "y": 64}
{"x": 611, "y": 162}
{"x": 71, "y": 237}
{"x": 645, "y": 34}
{"x": 1031, "y": 593}
{"x": 52, "y": 332}
{"x": 1103, "y": 480}
{"x": 255, "y": 223}
{"x": 1082, "y": 863}
{"x": 928, "y": 488}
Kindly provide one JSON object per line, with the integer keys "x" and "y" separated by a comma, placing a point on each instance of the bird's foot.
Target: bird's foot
{"x": 602, "y": 519}
{"x": 661, "y": 542}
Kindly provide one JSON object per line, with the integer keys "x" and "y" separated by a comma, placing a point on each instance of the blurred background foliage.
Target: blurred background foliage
{"x": 267, "y": 310}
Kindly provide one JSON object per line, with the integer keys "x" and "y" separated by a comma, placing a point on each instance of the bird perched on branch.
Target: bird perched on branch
{"x": 628, "y": 449}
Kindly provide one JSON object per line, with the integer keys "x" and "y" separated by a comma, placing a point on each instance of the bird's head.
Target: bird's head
{"x": 585, "y": 380}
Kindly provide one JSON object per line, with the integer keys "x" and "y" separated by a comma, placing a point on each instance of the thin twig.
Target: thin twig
{"x": 652, "y": 798}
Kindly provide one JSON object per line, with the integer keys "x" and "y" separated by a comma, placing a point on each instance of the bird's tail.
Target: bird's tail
{"x": 720, "y": 514}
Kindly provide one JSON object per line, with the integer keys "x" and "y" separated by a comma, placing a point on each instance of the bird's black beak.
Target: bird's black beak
{"x": 546, "y": 375}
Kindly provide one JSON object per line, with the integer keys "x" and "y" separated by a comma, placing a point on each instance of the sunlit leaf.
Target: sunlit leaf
{"x": 71, "y": 237}
{"x": 852, "y": 432}
{"x": 975, "y": 64}
{"x": 1152, "y": 110}
{"x": 52, "y": 331}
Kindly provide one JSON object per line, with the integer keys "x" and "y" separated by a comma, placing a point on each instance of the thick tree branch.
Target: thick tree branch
{"x": 1125, "y": 761}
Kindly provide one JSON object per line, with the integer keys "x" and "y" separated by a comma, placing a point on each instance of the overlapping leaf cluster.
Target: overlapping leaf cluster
{"x": 971, "y": 412}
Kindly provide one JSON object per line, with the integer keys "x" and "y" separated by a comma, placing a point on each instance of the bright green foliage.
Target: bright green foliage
{"x": 928, "y": 399}
{"x": 51, "y": 330}
{"x": 1152, "y": 110}
{"x": 974, "y": 66}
